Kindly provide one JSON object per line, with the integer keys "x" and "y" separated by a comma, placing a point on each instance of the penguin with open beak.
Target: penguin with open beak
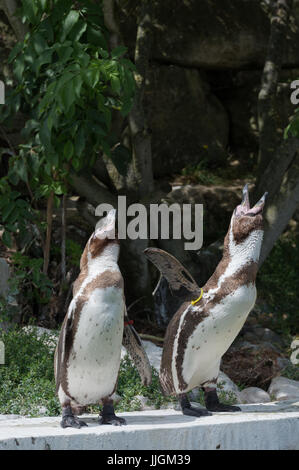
{"x": 210, "y": 318}
{"x": 87, "y": 357}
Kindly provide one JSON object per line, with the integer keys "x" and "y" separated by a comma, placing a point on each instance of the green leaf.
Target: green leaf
{"x": 44, "y": 58}
{"x": 77, "y": 83}
{"x": 6, "y": 238}
{"x": 69, "y": 22}
{"x": 77, "y": 31}
{"x": 118, "y": 51}
{"x": 68, "y": 150}
{"x": 80, "y": 141}
{"x": 67, "y": 95}
{"x": 30, "y": 10}
{"x": 96, "y": 37}
{"x": 7, "y": 210}
{"x": 91, "y": 76}
{"x": 15, "y": 51}
{"x": 39, "y": 43}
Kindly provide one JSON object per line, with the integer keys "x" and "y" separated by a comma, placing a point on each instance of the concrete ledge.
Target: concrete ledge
{"x": 268, "y": 426}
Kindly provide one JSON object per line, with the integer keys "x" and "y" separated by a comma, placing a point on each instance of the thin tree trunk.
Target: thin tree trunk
{"x": 267, "y": 113}
{"x": 49, "y": 232}
{"x": 141, "y": 138}
{"x": 9, "y": 7}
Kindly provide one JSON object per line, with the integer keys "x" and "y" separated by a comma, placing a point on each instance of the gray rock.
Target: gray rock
{"x": 254, "y": 395}
{"x": 284, "y": 389}
{"x": 144, "y": 403}
{"x": 185, "y": 95}
{"x": 232, "y": 34}
{"x": 283, "y": 362}
{"x": 226, "y": 385}
{"x": 154, "y": 353}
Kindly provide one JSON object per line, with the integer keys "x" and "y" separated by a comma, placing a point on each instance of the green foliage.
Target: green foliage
{"x": 292, "y": 129}
{"x": 68, "y": 83}
{"x": 73, "y": 252}
{"x": 27, "y": 378}
{"x": 29, "y": 280}
{"x": 277, "y": 284}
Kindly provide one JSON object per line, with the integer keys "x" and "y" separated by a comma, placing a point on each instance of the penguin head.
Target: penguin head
{"x": 245, "y": 219}
{"x": 105, "y": 233}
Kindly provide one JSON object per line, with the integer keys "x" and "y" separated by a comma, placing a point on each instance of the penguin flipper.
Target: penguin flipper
{"x": 179, "y": 279}
{"x": 134, "y": 347}
{"x": 63, "y": 343}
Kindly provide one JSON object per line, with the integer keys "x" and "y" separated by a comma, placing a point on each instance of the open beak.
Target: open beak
{"x": 258, "y": 207}
{"x": 244, "y": 207}
{"x": 105, "y": 228}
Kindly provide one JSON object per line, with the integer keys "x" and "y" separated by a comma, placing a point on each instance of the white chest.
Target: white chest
{"x": 95, "y": 357}
{"x": 213, "y": 336}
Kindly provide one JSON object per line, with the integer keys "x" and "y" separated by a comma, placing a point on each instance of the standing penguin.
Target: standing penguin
{"x": 210, "y": 318}
{"x": 87, "y": 357}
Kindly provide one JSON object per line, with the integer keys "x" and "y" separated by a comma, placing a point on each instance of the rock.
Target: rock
{"x": 144, "y": 403}
{"x": 226, "y": 385}
{"x": 284, "y": 389}
{"x": 39, "y": 331}
{"x": 283, "y": 362}
{"x": 231, "y": 34}
{"x": 254, "y": 395}
{"x": 153, "y": 352}
{"x": 185, "y": 95}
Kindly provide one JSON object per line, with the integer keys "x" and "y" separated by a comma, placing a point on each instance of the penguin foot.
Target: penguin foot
{"x": 69, "y": 420}
{"x": 220, "y": 407}
{"x": 107, "y": 416}
{"x": 72, "y": 422}
{"x": 112, "y": 419}
{"x": 190, "y": 410}
{"x": 198, "y": 412}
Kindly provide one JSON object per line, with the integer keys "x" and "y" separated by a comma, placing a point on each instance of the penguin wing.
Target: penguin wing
{"x": 134, "y": 347}
{"x": 63, "y": 343}
{"x": 179, "y": 279}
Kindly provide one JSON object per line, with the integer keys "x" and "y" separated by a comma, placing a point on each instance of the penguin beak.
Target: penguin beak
{"x": 258, "y": 207}
{"x": 245, "y": 204}
{"x": 105, "y": 228}
{"x": 244, "y": 207}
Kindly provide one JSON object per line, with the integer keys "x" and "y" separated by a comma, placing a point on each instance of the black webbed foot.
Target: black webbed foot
{"x": 69, "y": 420}
{"x": 190, "y": 410}
{"x": 222, "y": 407}
{"x": 107, "y": 416}
{"x": 213, "y": 404}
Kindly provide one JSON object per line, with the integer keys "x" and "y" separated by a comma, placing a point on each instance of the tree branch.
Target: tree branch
{"x": 267, "y": 112}
{"x": 9, "y": 7}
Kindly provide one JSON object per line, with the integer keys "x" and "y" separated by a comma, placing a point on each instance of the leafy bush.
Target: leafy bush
{"x": 28, "y": 385}
{"x": 277, "y": 284}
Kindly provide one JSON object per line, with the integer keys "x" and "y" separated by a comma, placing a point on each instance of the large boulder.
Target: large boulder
{"x": 282, "y": 388}
{"x": 210, "y": 34}
{"x": 188, "y": 123}
{"x": 254, "y": 395}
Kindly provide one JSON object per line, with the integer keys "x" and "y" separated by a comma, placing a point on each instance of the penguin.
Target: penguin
{"x": 88, "y": 353}
{"x": 209, "y": 318}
